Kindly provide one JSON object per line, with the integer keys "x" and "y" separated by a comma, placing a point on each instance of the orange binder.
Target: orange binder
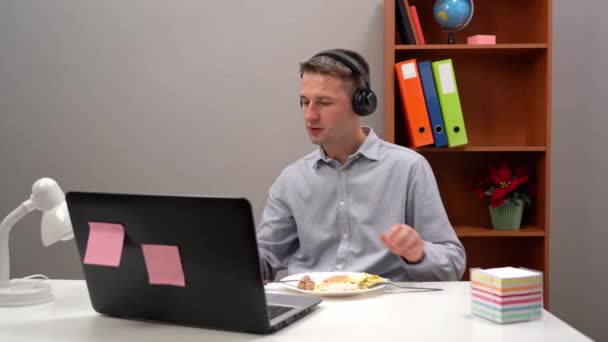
{"x": 413, "y": 104}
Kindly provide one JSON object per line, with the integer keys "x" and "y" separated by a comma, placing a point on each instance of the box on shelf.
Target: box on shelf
{"x": 481, "y": 39}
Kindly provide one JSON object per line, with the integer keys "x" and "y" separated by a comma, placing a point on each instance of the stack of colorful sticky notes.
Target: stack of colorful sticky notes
{"x": 507, "y": 294}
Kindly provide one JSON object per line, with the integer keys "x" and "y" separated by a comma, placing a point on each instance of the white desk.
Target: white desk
{"x": 427, "y": 316}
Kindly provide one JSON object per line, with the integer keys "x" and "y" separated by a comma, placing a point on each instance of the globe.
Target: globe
{"x": 453, "y": 15}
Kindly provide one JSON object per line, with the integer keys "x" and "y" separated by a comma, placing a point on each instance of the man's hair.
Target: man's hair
{"x": 327, "y": 65}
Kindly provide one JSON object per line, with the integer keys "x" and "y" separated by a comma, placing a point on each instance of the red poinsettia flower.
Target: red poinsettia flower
{"x": 502, "y": 184}
{"x": 480, "y": 185}
{"x": 505, "y": 182}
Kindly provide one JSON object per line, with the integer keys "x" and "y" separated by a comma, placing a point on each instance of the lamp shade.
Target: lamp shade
{"x": 56, "y": 225}
{"x": 50, "y": 199}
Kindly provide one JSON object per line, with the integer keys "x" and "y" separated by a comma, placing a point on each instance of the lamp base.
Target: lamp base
{"x": 23, "y": 292}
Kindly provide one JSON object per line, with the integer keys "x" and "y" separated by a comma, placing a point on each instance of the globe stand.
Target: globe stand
{"x": 451, "y": 39}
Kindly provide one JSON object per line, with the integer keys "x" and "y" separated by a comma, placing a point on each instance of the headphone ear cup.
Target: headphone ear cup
{"x": 364, "y": 102}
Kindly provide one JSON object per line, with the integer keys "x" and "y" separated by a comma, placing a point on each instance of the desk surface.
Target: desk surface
{"x": 394, "y": 316}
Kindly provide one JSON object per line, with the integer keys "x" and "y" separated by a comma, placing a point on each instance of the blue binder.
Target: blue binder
{"x": 432, "y": 103}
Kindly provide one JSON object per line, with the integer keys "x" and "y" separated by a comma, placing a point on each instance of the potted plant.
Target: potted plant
{"x": 506, "y": 191}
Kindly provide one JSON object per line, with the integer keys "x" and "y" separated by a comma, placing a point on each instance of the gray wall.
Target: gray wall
{"x": 200, "y": 97}
{"x": 197, "y": 97}
{"x": 580, "y": 166}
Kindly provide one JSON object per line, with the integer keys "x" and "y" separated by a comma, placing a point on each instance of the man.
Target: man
{"x": 357, "y": 203}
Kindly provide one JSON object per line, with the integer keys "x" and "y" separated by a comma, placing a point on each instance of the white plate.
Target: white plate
{"x": 318, "y": 277}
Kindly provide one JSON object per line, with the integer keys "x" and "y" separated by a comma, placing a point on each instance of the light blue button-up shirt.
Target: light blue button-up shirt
{"x": 323, "y": 216}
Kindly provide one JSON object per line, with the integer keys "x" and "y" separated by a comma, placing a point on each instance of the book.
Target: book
{"x": 417, "y": 26}
{"x": 403, "y": 24}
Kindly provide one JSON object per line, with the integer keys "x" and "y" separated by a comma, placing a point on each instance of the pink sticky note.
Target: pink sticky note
{"x": 105, "y": 243}
{"x": 164, "y": 265}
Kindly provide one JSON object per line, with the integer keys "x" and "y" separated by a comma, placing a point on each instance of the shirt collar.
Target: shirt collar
{"x": 370, "y": 149}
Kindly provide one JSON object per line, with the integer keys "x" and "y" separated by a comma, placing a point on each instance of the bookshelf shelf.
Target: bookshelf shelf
{"x": 505, "y": 95}
{"x": 454, "y": 50}
{"x": 525, "y": 231}
{"x": 483, "y": 149}
{"x": 472, "y": 47}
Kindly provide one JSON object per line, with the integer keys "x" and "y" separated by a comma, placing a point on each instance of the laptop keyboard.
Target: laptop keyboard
{"x": 277, "y": 310}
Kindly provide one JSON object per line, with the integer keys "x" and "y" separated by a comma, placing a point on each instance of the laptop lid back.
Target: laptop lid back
{"x": 214, "y": 239}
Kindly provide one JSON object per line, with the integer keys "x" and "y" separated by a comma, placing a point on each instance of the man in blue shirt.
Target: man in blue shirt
{"x": 356, "y": 203}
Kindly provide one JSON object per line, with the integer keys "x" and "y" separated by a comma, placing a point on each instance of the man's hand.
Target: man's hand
{"x": 403, "y": 240}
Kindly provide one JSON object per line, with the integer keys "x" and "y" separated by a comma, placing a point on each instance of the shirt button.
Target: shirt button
{"x": 341, "y": 172}
{"x": 341, "y": 203}
{"x": 339, "y": 266}
{"x": 345, "y": 236}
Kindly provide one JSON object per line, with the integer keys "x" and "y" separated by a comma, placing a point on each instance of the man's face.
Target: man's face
{"x": 327, "y": 107}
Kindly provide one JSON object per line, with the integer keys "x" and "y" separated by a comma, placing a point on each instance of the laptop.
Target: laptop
{"x": 220, "y": 284}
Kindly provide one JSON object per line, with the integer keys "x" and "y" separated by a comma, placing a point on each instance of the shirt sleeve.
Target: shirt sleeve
{"x": 277, "y": 234}
{"x": 444, "y": 255}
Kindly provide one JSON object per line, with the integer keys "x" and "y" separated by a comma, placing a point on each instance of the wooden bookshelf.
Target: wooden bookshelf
{"x": 505, "y": 93}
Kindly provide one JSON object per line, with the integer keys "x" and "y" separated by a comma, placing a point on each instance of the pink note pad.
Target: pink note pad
{"x": 105, "y": 243}
{"x": 164, "y": 265}
{"x": 481, "y": 39}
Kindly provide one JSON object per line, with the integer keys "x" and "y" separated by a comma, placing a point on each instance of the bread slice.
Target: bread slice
{"x": 336, "y": 279}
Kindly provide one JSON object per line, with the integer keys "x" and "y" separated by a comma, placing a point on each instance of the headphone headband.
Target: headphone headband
{"x": 350, "y": 62}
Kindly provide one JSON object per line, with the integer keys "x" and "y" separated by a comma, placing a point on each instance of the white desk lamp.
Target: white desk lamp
{"x": 48, "y": 197}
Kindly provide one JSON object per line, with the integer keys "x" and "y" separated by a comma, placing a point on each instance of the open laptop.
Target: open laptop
{"x": 213, "y": 238}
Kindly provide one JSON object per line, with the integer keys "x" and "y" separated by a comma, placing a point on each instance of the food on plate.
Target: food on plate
{"x": 365, "y": 280}
{"x": 336, "y": 279}
{"x": 342, "y": 282}
{"x": 336, "y": 286}
{"x": 306, "y": 283}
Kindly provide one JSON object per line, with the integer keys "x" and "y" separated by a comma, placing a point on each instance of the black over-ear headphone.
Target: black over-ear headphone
{"x": 364, "y": 99}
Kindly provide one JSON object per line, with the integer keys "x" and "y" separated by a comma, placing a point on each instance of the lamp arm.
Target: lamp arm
{"x": 5, "y": 228}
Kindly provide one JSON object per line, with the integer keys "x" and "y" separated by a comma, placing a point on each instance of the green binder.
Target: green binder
{"x": 449, "y": 101}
